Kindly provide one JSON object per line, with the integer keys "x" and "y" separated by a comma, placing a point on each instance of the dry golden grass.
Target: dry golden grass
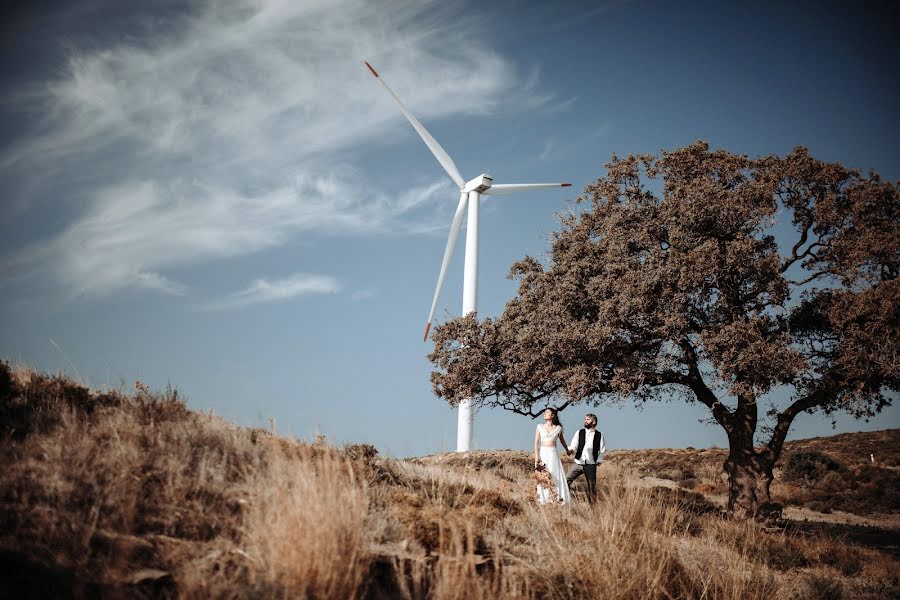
{"x": 306, "y": 527}
{"x": 135, "y": 496}
{"x": 863, "y": 482}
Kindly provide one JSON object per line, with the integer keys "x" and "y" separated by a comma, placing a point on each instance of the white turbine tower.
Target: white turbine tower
{"x": 470, "y": 192}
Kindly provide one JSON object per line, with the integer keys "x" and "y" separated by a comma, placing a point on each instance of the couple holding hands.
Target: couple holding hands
{"x": 587, "y": 445}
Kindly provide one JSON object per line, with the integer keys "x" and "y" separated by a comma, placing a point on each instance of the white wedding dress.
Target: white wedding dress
{"x": 551, "y": 460}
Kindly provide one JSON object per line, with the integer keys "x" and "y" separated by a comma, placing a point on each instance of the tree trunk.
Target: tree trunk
{"x": 749, "y": 478}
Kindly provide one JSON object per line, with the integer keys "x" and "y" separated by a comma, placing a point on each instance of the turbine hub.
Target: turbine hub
{"x": 479, "y": 184}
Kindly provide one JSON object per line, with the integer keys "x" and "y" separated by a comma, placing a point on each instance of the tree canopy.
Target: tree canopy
{"x": 668, "y": 279}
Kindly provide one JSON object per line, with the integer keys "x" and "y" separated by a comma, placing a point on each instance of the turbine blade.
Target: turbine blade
{"x": 448, "y": 254}
{"x": 439, "y": 153}
{"x": 509, "y": 188}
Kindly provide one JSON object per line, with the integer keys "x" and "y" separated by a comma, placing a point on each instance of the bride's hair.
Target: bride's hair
{"x": 555, "y": 419}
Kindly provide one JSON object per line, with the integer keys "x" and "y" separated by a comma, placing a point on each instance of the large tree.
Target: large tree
{"x": 762, "y": 288}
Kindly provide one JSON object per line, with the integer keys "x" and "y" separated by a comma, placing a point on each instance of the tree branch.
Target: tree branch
{"x": 534, "y": 397}
{"x": 694, "y": 380}
{"x": 510, "y": 406}
{"x": 810, "y": 278}
{"x": 785, "y": 418}
{"x": 563, "y": 406}
{"x": 794, "y": 257}
{"x": 667, "y": 378}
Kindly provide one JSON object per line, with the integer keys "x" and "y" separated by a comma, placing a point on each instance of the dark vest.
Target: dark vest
{"x": 581, "y": 437}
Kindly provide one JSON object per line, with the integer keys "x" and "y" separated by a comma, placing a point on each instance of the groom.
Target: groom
{"x": 588, "y": 445}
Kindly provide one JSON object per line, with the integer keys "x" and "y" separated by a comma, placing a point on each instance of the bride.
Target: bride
{"x": 545, "y": 438}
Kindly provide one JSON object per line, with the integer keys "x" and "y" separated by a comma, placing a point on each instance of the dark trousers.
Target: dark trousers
{"x": 590, "y": 475}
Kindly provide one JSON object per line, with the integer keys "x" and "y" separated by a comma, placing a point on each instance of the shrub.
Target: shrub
{"x": 818, "y": 506}
{"x": 809, "y": 466}
{"x": 688, "y": 484}
{"x": 365, "y": 453}
{"x": 32, "y": 402}
{"x": 820, "y": 585}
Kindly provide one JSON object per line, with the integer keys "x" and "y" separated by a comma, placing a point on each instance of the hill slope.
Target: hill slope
{"x": 134, "y": 495}
{"x": 851, "y": 481}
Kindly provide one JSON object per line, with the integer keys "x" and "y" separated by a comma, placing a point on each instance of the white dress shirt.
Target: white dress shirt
{"x": 587, "y": 455}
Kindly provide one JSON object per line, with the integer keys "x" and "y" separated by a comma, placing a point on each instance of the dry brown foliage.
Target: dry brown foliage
{"x": 137, "y": 496}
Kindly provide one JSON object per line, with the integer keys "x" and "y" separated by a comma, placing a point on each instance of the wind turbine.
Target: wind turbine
{"x": 469, "y": 195}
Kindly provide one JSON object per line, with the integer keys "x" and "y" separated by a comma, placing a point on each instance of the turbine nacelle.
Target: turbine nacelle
{"x": 479, "y": 184}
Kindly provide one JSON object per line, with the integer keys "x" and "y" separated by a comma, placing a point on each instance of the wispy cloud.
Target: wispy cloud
{"x": 558, "y": 106}
{"x": 132, "y": 233}
{"x": 595, "y": 9}
{"x": 247, "y": 82}
{"x": 179, "y": 138}
{"x": 360, "y": 295}
{"x": 279, "y": 290}
{"x": 549, "y": 145}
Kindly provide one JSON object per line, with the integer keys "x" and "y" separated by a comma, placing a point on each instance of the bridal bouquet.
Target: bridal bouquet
{"x": 542, "y": 478}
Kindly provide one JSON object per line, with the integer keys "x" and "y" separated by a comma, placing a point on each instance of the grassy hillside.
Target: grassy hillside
{"x": 851, "y": 472}
{"x": 116, "y": 495}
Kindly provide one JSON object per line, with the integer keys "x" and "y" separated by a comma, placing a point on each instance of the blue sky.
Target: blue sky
{"x": 218, "y": 196}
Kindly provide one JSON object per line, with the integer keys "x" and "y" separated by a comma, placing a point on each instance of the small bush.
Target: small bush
{"x": 821, "y": 586}
{"x": 845, "y": 559}
{"x": 670, "y": 474}
{"x": 365, "y": 453}
{"x": 809, "y": 466}
{"x": 688, "y": 484}
{"x": 818, "y": 506}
